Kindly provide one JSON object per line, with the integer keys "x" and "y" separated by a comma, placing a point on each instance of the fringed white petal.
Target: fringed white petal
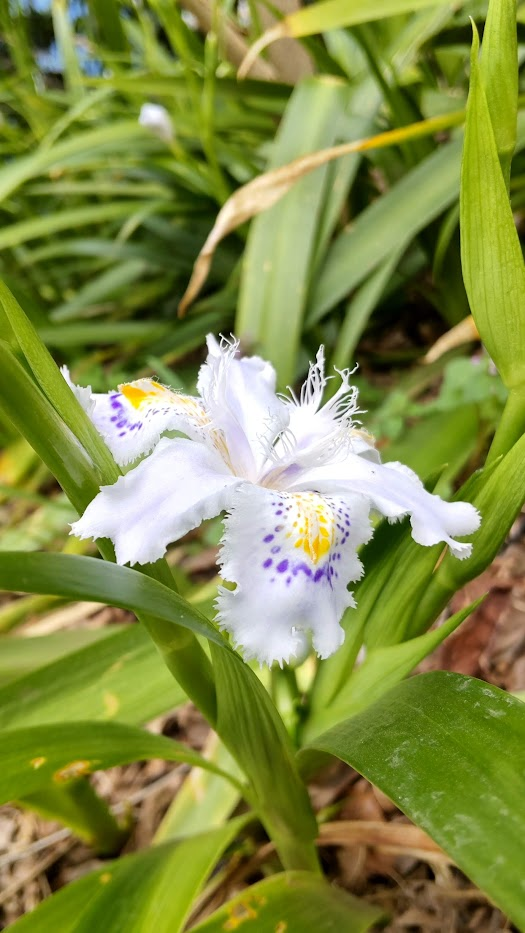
{"x": 239, "y": 396}
{"x": 83, "y": 394}
{"x": 292, "y": 557}
{"x": 178, "y": 486}
{"x": 132, "y": 419}
{"x": 317, "y": 433}
{"x": 395, "y": 490}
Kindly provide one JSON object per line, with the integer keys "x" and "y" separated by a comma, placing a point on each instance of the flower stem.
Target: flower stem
{"x": 296, "y": 854}
{"x": 287, "y": 698}
{"x": 181, "y": 651}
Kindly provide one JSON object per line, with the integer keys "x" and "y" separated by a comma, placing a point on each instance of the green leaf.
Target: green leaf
{"x": 78, "y": 806}
{"x": 251, "y": 728}
{"x": 22, "y": 402}
{"x": 327, "y": 15}
{"x": 359, "y": 311}
{"x": 100, "y": 288}
{"x": 493, "y": 268}
{"x": 498, "y": 493}
{"x": 117, "y": 136}
{"x": 39, "y": 423}
{"x": 20, "y": 656}
{"x": 204, "y": 799}
{"x": 282, "y": 240}
{"x": 450, "y": 752}
{"x": 151, "y": 890}
{"x": 82, "y": 333}
{"x": 332, "y": 14}
{"x": 37, "y": 756}
{"x": 388, "y": 598}
{"x": 26, "y": 230}
{"x": 381, "y": 670}
{"x": 119, "y": 677}
{"x": 88, "y": 578}
{"x": 447, "y": 437}
{"x": 499, "y": 68}
{"x": 386, "y": 226}
{"x": 65, "y": 40}
{"x": 109, "y": 22}
{"x": 292, "y": 901}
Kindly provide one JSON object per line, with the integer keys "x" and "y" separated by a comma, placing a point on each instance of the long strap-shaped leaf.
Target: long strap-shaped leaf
{"x": 296, "y": 902}
{"x": 151, "y": 890}
{"x": 248, "y": 721}
{"x": 88, "y": 578}
{"x": 450, "y": 751}
{"x": 35, "y": 757}
{"x": 119, "y": 677}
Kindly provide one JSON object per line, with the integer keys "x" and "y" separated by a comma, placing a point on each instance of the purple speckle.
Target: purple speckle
{"x": 268, "y": 538}
{"x": 283, "y": 566}
{"x": 280, "y": 512}
{"x": 319, "y": 574}
{"x": 121, "y": 424}
{"x": 302, "y": 568}
{"x": 268, "y": 562}
{"x": 288, "y": 581}
{"x": 275, "y": 549}
{"x": 278, "y": 527}
{"x": 122, "y": 434}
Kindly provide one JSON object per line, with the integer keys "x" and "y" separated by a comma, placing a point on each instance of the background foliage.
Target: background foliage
{"x": 101, "y": 223}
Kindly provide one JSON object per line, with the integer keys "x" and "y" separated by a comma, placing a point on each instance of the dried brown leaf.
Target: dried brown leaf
{"x": 464, "y": 332}
{"x": 265, "y": 190}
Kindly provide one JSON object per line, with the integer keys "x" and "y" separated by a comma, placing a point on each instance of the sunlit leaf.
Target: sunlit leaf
{"x": 88, "y": 578}
{"x": 492, "y": 260}
{"x": 381, "y": 670}
{"x": 251, "y": 728}
{"x": 39, "y": 755}
{"x": 151, "y": 890}
{"x": 330, "y": 14}
{"x": 293, "y": 901}
{"x": 449, "y": 750}
{"x": 120, "y": 676}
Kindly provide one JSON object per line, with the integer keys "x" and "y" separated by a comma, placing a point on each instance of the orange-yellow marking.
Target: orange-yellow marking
{"x": 134, "y": 396}
{"x": 75, "y": 769}
{"x": 111, "y": 704}
{"x": 37, "y": 763}
{"x": 316, "y": 530}
{"x": 243, "y": 910}
{"x": 147, "y": 391}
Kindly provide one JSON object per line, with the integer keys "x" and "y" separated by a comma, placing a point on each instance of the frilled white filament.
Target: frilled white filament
{"x": 298, "y": 480}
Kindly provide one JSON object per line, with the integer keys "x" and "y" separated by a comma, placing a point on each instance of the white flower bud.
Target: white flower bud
{"x": 157, "y": 119}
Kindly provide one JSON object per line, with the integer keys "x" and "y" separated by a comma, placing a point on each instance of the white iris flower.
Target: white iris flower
{"x": 297, "y": 479}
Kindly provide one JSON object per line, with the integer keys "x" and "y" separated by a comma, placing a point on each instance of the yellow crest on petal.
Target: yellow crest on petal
{"x": 314, "y": 525}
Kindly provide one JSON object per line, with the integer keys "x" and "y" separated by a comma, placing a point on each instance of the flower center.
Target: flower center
{"x": 314, "y": 525}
